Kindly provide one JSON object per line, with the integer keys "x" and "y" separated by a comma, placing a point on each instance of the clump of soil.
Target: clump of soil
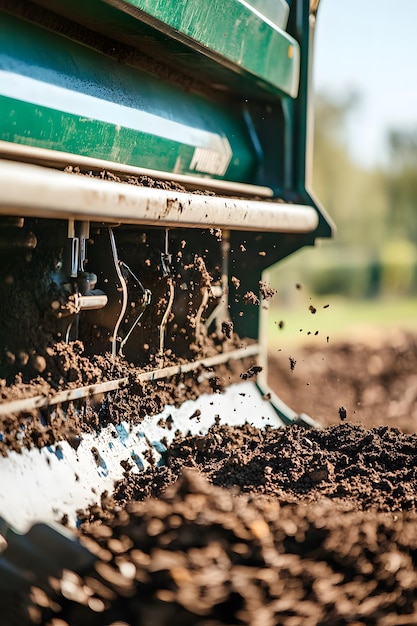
{"x": 250, "y": 298}
{"x": 227, "y": 328}
{"x": 266, "y": 290}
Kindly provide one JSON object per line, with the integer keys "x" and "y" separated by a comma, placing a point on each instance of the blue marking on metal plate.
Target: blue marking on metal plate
{"x": 57, "y": 451}
{"x": 123, "y": 433}
{"x": 103, "y": 467}
{"x": 136, "y": 458}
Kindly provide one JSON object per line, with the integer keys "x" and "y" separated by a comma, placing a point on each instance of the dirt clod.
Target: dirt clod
{"x": 342, "y": 413}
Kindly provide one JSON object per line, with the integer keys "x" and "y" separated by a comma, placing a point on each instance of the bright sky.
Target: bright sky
{"x": 370, "y": 46}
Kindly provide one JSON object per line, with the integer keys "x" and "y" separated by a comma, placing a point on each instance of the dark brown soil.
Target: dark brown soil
{"x": 274, "y": 526}
{"x": 205, "y": 555}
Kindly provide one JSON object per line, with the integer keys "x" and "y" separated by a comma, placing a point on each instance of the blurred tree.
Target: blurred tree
{"x": 401, "y": 183}
{"x": 374, "y": 252}
{"x": 354, "y": 196}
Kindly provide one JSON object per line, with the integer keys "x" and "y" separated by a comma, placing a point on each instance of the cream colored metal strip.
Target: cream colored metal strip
{"x": 30, "y": 190}
{"x": 57, "y": 159}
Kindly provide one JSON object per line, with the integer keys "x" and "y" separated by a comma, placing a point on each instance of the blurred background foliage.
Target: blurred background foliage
{"x": 374, "y": 252}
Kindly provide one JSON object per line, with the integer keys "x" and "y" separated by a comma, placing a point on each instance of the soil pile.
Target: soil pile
{"x": 276, "y": 526}
{"x": 205, "y": 555}
{"x": 348, "y": 464}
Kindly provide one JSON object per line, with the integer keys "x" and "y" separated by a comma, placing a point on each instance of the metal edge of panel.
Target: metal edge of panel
{"x": 31, "y": 190}
{"x": 246, "y": 25}
{"x": 56, "y": 158}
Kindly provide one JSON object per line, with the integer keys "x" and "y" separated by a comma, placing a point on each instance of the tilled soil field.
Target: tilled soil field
{"x": 374, "y": 379}
{"x": 269, "y": 527}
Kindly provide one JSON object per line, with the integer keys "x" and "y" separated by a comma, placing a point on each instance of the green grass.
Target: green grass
{"x": 341, "y": 319}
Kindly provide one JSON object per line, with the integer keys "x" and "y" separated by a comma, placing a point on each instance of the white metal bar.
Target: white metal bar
{"x": 30, "y": 190}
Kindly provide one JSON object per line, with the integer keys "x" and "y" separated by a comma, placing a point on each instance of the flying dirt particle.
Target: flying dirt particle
{"x": 250, "y": 298}
{"x": 327, "y": 339}
{"x": 227, "y": 328}
{"x": 316, "y": 333}
{"x": 312, "y": 309}
{"x": 251, "y": 372}
{"x": 281, "y": 324}
{"x": 196, "y": 413}
{"x": 266, "y": 290}
{"x": 217, "y": 232}
{"x": 298, "y": 286}
{"x": 266, "y": 396}
{"x": 293, "y": 363}
{"x": 262, "y": 253}
{"x": 326, "y": 306}
{"x": 342, "y": 413}
{"x": 236, "y": 282}
{"x": 242, "y": 248}
{"x": 183, "y": 243}
{"x": 309, "y": 332}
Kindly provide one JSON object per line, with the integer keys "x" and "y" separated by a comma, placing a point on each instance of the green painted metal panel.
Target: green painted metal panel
{"x": 60, "y": 95}
{"x": 246, "y": 37}
{"x": 233, "y": 30}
